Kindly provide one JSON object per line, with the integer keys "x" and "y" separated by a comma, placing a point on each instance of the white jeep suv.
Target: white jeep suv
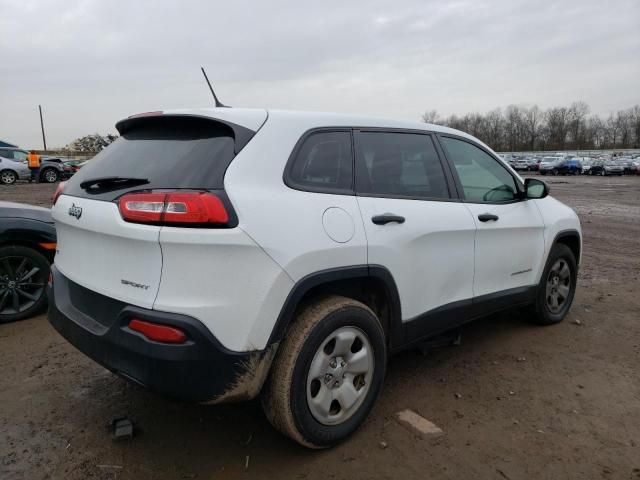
{"x": 220, "y": 254}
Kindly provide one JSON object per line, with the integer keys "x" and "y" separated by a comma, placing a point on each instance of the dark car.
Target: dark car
{"x": 561, "y": 167}
{"x": 27, "y": 248}
{"x": 70, "y": 167}
{"x": 597, "y": 168}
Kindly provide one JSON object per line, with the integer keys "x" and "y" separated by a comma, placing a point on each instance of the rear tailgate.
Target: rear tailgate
{"x": 100, "y": 251}
{"x": 97, "y": 248}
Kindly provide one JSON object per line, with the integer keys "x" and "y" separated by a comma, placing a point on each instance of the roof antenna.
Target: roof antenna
{"x": 218, "y": 103}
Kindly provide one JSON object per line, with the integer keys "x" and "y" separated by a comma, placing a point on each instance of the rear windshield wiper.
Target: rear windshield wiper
{"x": 112, "y": 183}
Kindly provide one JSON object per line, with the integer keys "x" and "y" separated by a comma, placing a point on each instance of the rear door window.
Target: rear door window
{"x": 399, "y": 165}
{"x": 170, "y": 153}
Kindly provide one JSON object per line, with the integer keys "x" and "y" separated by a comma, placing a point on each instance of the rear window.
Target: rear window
{"x": 169, "y": 152}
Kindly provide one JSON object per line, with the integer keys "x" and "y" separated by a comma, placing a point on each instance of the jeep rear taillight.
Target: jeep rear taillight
{"x": 174, "y": 208}
{"x": 58, "y": 192}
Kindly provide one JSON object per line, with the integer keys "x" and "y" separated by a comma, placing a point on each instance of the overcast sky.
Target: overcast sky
{"x": 92, "y": 62}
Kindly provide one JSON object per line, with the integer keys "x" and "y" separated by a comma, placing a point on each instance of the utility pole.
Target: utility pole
{"x": 44, "y": 140}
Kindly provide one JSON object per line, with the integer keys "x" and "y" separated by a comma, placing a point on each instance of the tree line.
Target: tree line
{"x": 518, "y": 128}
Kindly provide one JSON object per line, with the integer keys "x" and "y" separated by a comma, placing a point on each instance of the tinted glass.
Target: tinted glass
{"x": 169, "y": 153}
{"x": 324, "y": 162}
{"x": 399, "y": 164}
{"x": 483, "y": 178}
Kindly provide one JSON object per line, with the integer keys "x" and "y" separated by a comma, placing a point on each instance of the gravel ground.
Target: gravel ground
{"x": 515, "y": 401}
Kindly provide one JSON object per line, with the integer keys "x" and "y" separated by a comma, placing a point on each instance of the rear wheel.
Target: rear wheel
{"x": 556, "y": 288}
{"x": 23, "y": 279}
{"x": 8, "y": 177}
{"x": 328, "y": 372}
{"x": 50, "y": 175}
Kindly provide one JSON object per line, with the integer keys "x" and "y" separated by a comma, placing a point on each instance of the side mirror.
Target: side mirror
{"x": 535, "y": 188}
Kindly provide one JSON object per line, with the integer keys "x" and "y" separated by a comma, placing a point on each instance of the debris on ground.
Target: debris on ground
{"x": 576, "y": 322}
{"x": 383, "y": 445}
{"x": 418, "y": 423}
{"x": 457, "y": 395}
{"x": 122, "y": 428}
{"x": 522, "y": 359}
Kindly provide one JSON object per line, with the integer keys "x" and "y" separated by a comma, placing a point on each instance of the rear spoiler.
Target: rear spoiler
{"x": 241, "y": 135}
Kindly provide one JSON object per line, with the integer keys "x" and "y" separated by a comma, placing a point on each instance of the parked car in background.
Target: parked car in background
{"x": 610, "y": 167}
{"x": 596, "y": 167}
{"x": 520, "y": 164}
{"x": 548, "y": 164}
{"x": 628, "y": 166}
{"x": 51, "y": 168}
{"x": 11, "y": 171}
{"x": 534, "y": 164}
{"x": 70, "y": 167}
{"x": 27, "y": 247}
{"x": 562, "y": 166}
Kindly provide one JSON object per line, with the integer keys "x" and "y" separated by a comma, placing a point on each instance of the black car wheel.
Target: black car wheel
{"x": 557, "y": 287}
{"x": 23, "y": 279}
{"x": 50, "y": 175}
{"x": 8, "y": 177}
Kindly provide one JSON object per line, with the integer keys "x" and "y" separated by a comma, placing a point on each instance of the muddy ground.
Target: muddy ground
{"x": 515, "y": 401}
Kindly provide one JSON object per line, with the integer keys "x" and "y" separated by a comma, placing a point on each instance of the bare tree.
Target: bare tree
{"x": 578, "y": 112}
{"x": 431, "y": 116}
{"x": 520, "y": 128}
{"x": 532, "y": 119}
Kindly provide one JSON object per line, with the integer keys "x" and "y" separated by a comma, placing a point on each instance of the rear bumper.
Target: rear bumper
{"x": 200, "y": 370}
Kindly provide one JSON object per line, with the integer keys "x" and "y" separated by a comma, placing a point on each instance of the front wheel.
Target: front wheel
{"x": 8, "y": 177}
{"x": 557, "y": 287}
{"x": 328, "y": 372}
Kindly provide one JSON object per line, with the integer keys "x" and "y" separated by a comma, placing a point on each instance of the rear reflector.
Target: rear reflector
{"x": 48, "y": 246}
{"x": 173, "y": 208}
{"x": 157, "y": 332}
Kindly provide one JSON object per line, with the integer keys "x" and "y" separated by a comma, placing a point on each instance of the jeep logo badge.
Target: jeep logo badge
{"x": 75, "y": 211}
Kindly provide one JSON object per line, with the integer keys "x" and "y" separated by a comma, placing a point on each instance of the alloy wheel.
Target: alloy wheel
{"x": 558, "y": 286}
{"x": 8, "y": 177}
{"x": 50, "y": 176}
{"x": 21, "y": 284}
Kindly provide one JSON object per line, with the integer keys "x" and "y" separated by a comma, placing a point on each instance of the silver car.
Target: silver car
{"x": 10, "y": 171}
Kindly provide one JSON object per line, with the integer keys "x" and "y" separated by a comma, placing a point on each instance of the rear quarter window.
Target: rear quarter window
{"x": 322, "y": 162}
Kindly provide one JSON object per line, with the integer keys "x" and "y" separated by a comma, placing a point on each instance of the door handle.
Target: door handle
{"x": 485, "y": 217}
{"x": 387, "y": 218}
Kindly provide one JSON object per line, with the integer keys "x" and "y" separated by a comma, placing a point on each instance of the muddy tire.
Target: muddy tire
{"x": 327, "y": 373}
{"x": 557, "y": 287}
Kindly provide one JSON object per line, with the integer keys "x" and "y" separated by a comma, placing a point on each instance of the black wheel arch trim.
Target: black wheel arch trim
{"x": 569, "y": 233}
{"x": 316, "y": 279}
